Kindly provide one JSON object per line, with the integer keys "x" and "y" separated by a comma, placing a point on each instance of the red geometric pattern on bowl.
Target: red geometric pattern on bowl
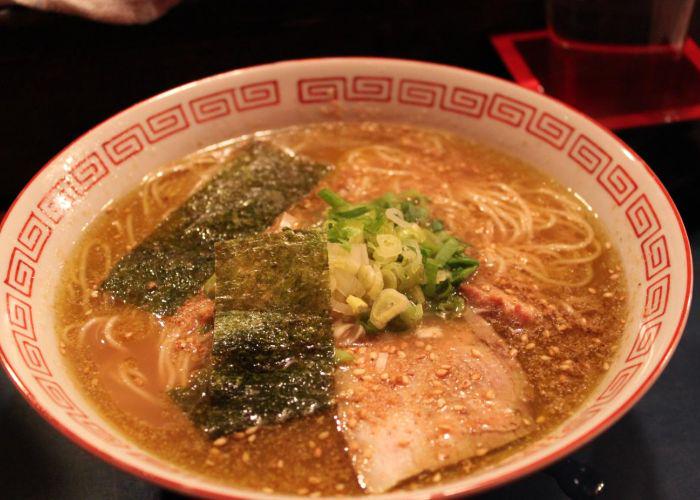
{"x": 511, "y": 111}
{"x": 656, "y": 256}
{"x": 157, "y": 127}
{"x": 497, "y": 107}
{"x": 33, "y": 236}
{"x": 642, "y": 217}
{"x": 329, "y": 89}
{"x": 20, "y": 272}
{"x": 87, "y": 173}
{"x": 58, "y": 200}
{"x": 212, "y": 106}
{"x": 31, "y": 354}
{"x": 19, "y": 314}
{"x": 222, "y": 103}
{"x": 656, "y": 298}
{"x": 551, "y": 130}
{"x": 589, "y": 155}
{"x": 644, "y": 340}
{"x": 618, "y": 183}
{"x": 257, "y": 95}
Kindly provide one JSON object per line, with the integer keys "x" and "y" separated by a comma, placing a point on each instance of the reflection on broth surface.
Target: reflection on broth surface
{"x": 545, "y": 311}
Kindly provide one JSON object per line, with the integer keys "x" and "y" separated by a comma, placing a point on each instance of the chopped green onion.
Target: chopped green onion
{"x": 210, "y": 287}
{"x": 333, "y": 199}
{"x": 343, "y": 357}
{"x": 354, "y": 212}
{"x": 389, "y": 260}
{"x": 447, "y": 251}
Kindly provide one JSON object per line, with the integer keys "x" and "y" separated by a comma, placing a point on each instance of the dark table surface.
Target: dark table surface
{"x": 60, "y": 76}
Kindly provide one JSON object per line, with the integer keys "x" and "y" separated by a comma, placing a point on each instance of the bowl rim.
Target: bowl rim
{"x": 451, "y": 490}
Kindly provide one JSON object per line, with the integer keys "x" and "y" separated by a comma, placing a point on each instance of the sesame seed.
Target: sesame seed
{"x": 432, "y": 356}
{"x": 490, "y": 394}
{"x": 428, "y": 348}
{"x": 476, "y": 376}
{"x": 437, "y": 477}
{"x": 540, "y": 419}
{"x": 312, "y": 444}
{"x": 441, "y": 373}
{"x": 591, "y": 290}
{"x": 314, "y": 480}
{"x": 339, "y": 487}
{"x": 384, "y": 376}
{"x": 366, "y": 378}
{"x": 268, "y": 490}
{"x": 513, "y": 352}
{"x": 608, "y": 245}
{"x": 324, "y": 435}
{"x": 606, "y": 366}
{"x": 280, "y": 464}
{"x": 405, "y": 380}
{"x": 608, "y": 295}
{"x": 480, "y": 452}
{"x": 544, "y": 357}
{"x": 420, "y": 343}
{"x": 401, "y": 354}
{"x": 476, "y": 353}
{"x": 315, "y": 494}
{"x": 318, "y": 452}
{"x": 352, "y": 423}
{"x": 458, "y": 407}
{"x": 246, "y": 457}
{"x": 358, "y": 371}
{"x": 303, "y": 491}
{"x": 238, "y": 435}
{"x": 251, "y": 430}
{"x": 530, "y": 346}
{"x": 523, "y": 338}
{"x": 251, "y": 438}
{"x": 441, "y": 402}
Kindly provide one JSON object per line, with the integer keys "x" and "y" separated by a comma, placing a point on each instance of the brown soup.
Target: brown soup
{"x": 537, "y": 242}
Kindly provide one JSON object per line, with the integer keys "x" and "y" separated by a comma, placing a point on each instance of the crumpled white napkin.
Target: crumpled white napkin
{"x": 106, "y": 11}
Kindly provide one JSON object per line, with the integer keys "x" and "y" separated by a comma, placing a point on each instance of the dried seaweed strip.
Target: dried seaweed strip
{"x": 272, "y": 355}
{"x": 267, "y": 368}
{"x": 284, "y": 272}
{"x": 245, "y": 197}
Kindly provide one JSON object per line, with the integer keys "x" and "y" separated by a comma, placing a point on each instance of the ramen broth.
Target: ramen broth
{"x": 536, "y": 241}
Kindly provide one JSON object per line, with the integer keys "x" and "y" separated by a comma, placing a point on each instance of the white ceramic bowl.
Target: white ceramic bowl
{"x": 108, "y": 162}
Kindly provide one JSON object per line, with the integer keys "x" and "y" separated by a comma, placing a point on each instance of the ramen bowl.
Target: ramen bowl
{"x": 46, "y": 219}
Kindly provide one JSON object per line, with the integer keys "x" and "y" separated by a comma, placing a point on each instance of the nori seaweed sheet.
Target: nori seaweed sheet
{"x": 245, "y": 197}
{"x": 286, "y": 280}
{"x": 272, "y": 358}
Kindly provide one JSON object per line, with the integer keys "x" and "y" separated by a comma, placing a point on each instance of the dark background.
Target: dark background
{"x": 60, "y": 76}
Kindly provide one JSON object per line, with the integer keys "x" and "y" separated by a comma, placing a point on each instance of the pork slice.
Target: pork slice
{"x": 494, "y": 299}
{"x": 438, "y": 400}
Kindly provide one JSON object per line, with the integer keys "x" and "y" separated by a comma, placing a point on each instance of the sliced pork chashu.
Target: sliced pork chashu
{"x": 418, "y": 402}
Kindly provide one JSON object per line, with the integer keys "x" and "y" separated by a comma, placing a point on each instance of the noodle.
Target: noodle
{"x": 534, "y": 240}
{"x": 132, "y": 378}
